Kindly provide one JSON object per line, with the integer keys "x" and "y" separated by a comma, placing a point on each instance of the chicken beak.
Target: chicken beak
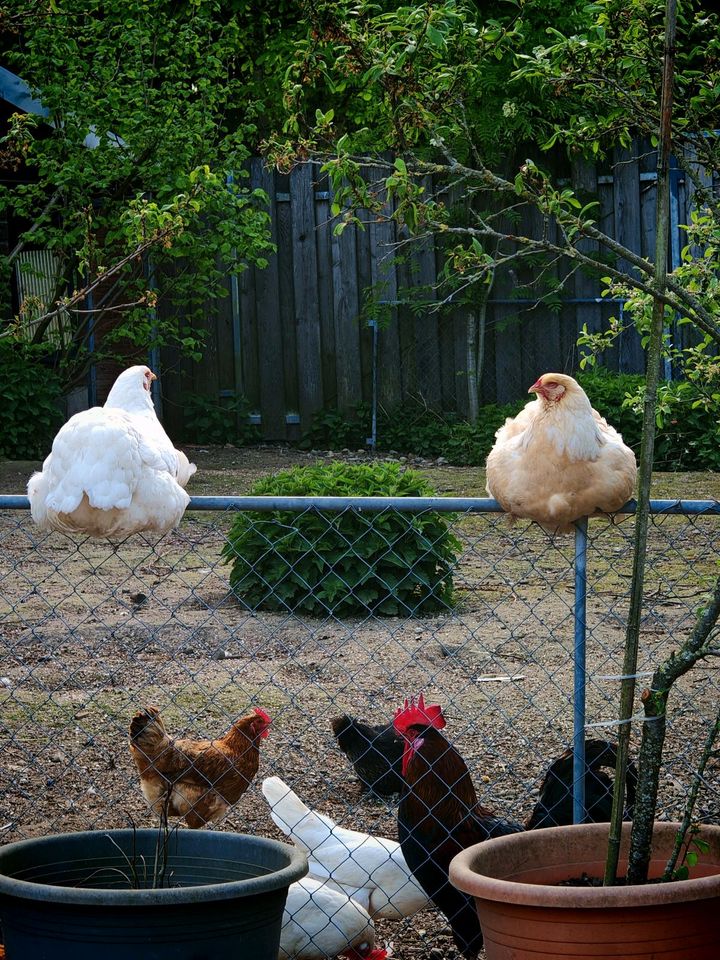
{"x": 536, "y": 387}
{"x": 152, "y": 376}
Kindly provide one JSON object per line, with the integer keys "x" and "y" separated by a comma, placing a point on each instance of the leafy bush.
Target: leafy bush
{"x": 608, "y": 393}
{"x": 688, "y": 435}
{"x": 688, "y": 427}
{"x": 344, "y": 563}
{"x": 414, "y": 429}
{"x": 210, "y": 421}
{"x": 336, "y": 430}
{"x": 30, "y": 412}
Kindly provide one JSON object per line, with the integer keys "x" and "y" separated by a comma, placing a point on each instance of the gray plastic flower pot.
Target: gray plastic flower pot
{"x": 70, "y": 896}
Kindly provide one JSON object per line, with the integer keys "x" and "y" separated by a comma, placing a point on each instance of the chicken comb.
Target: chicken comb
{"x": 261, "y": 713}
{"x": 414, "y": 714}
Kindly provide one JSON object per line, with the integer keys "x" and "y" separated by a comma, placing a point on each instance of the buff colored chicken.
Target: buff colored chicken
{"x": 195, "y": 779}
{"x": 559, "y": 460}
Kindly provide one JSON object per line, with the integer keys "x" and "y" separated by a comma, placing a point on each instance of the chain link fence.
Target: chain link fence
{"x": 92, "y": 631}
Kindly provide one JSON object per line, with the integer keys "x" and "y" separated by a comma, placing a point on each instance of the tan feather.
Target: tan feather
{"x": 559, "y": 460}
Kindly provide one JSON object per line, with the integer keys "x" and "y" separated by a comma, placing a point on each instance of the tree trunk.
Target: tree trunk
{"x": 645, "y": 812}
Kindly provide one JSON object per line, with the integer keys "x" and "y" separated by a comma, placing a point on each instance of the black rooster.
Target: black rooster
{"x": 375, "y": 753}
{"x": 439, "y": 813}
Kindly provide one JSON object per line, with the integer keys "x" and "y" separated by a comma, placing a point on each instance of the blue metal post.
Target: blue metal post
{"x": 372, "y": 439}
{"x": 676, "y": 176}
{"x": 579, "y": 671}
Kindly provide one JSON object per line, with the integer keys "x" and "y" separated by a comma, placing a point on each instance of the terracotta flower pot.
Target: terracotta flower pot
{"x": 525, "y": 916}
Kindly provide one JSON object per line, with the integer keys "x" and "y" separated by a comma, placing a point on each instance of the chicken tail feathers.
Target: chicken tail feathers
{"x": 305, "y": 826}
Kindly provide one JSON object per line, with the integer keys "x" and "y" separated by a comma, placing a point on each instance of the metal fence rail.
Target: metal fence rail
{"x": 524, "y": 654}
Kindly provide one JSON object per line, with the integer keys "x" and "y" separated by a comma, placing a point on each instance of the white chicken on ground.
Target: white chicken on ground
{"x": 559, "y": 460}
{"x": 371, "y": 870}
{"x": 320, "y": 922}
{"x": 113, "y": 470}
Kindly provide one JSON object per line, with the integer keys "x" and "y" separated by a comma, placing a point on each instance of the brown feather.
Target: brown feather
{"x": 194, "y": 779}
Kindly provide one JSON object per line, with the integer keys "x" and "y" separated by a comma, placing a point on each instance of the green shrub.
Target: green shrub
{"x": 608, "y": 393}
{"x": 415, "y": 430}
{"x": 688, "y": 435}
{"x": 221, "y": 422}
{"x": 30, "y": 414}
{"x": 343, "y": 563}
{"x": 337, "y": 430}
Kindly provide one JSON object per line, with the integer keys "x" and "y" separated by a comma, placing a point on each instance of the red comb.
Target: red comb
{"x": 261, "y": 713}
{"x": 418, "y": 714}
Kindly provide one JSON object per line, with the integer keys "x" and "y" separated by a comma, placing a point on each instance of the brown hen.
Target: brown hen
{"x": 195, "y": 779}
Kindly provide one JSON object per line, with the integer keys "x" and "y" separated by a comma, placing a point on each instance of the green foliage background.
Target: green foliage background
{"x": 30, "y": 413}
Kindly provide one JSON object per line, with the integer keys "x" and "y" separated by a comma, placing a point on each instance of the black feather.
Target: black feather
{"x": 555, "y": 804}
{"x": 374, "y": 751}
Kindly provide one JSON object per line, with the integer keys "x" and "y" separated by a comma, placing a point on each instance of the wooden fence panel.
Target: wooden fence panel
{"x": 305, "y": 285}
{"x": 269, "y": 331}
{"x": 628, "y": 232}
{"x": 346, "y": 316}
{"x": 304, "y": 340}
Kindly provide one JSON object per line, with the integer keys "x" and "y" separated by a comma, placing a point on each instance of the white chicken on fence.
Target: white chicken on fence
{"x": 559, "y": 460}
{"x": 113, "y": 470}
{"x": 371, "y": 870}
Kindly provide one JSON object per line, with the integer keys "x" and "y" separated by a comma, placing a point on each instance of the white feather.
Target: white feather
{"x": 321, "y": 921}
{"x": 113, "y": 470}
{"x": 370, "y": 869}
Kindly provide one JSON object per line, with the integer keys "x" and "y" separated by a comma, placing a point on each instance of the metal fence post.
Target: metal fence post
{"x": 579, "y": 670}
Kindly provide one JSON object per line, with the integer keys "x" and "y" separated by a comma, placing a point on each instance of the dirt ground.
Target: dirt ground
{"x": 91, "y": 631}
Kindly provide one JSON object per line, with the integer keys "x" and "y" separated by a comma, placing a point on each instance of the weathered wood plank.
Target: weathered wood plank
{"x": 692, "y": 200}
{"x": 452, "y": 329}
{"x": 364, "y": 280}
{"x": 610, "y": 359}
{"x": 586, "y": 287}
{"x": 269, "y": 332}
{"x": 406, "y": 269}
{"x": 626, "y": 173}
{"x": 305, "y": 285}
{"x": 507, "y": 325}
{"x": 384, "y": 283}
{"x": 225, "y": 341}
{"x": 427, "y": 336}
{"x": 328, "y": 345}
{"x": 346, "y": 310}
{"x": 539, "y": 325}
{"x": 250, "y": 384}
{"x": 286, "y": 296}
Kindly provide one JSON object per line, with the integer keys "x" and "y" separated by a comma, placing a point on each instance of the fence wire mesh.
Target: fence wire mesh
{"x": 92, "y": 631}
